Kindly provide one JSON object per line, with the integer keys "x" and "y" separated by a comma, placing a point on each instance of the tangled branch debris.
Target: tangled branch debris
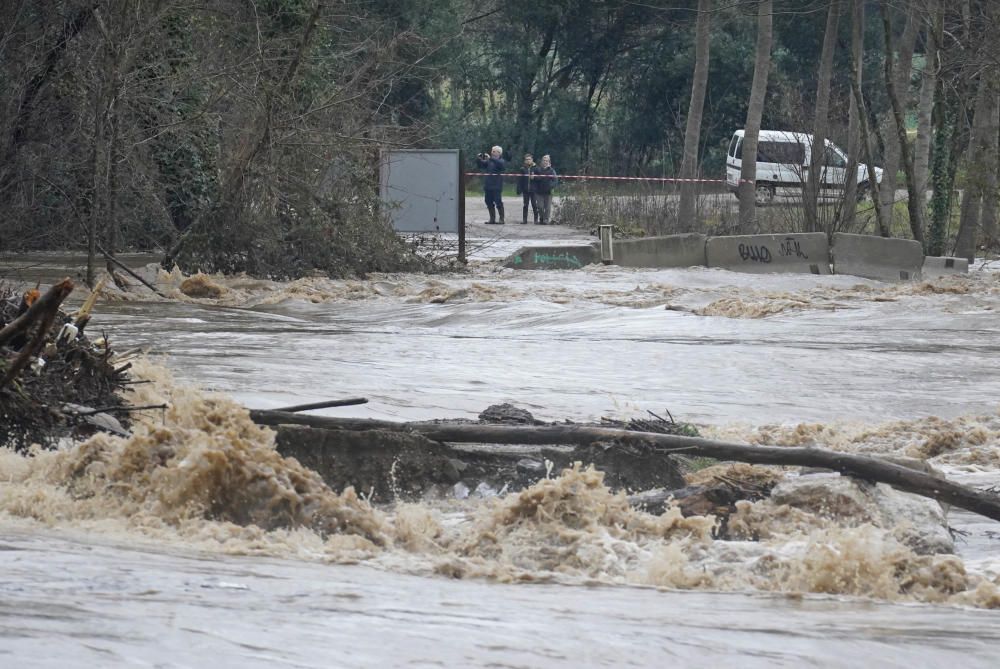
{"x": 51, "y": 372}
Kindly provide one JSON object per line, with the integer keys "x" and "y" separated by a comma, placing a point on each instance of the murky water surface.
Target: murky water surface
{"x": 84, "y": 603}
{"x": 101, "y": 580}
{"x": 581, "y": 344}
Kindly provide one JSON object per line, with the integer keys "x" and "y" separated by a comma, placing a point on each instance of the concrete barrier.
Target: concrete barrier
{"x": 806, "y": 253}
{"x": 668, "y": 251}
{"x": 877, "y": 257}
{"x": 553, "y": 257}
{"x": 940, "y": 266}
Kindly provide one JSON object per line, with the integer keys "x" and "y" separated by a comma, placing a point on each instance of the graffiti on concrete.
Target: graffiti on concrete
{"x": 791, "y": 247}
{"x": 755, "y": 253}
{"x": 787, "y": 248}
{"x": 565, "y": 258}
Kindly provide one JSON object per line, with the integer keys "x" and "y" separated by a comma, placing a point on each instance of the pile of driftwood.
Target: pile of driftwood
{"x": 54, "y": 381}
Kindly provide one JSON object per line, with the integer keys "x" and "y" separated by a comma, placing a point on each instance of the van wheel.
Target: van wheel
{"x": 763, "y": 194}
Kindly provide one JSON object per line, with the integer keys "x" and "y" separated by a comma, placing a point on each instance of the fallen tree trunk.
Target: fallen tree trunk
{"x": 858, "y": 466}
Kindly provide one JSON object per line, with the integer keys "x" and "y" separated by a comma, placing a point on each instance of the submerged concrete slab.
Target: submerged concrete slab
{"x": 877, "y": 257}
{"x": 806, "y": 253}
{"x": 940, "y": 266}
{"x": 667, "y": 251}
{"x": 553, "y": 257}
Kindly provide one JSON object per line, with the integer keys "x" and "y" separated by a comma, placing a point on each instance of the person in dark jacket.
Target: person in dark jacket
{"x": 494, "y": 166}
{"x": 526, "y": 189}
{"x": 544, "y": 180}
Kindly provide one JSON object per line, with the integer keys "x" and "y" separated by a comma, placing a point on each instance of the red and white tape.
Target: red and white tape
{"x": 603, "y": 178}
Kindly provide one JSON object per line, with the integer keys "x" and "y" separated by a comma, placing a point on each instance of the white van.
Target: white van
{"x": 783, "y": 159}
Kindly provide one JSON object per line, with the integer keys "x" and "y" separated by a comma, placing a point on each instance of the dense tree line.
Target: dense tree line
{"x": 622, "y": 87}
{"x": 243, "y": 135}
{"x": 230, "y": 135}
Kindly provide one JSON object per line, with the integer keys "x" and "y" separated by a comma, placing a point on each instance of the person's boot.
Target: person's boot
{"x": 493, "y": 215}
{"x": 534, "y": 213}
{"x": 500, "y": 210}
{"x": 524, "y": 215}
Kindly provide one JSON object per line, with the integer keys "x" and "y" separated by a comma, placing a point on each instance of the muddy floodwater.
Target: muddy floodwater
{"x": 109, "y": 558}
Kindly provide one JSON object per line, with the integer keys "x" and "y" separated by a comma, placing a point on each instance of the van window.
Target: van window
{"x": 833, "y": 158}
{"x": 739, "y": 148}
{"x": 789, "y": 153}
{"x": 734, "y": 147}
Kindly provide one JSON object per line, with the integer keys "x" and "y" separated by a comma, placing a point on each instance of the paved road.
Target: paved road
{"x": 476, "y": 217}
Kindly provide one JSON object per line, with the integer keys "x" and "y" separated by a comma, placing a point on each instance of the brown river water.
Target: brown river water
{"x": 109, "y": 560}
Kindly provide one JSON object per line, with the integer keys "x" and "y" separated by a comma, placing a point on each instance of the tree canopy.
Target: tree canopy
{"x": 240, "y": 135}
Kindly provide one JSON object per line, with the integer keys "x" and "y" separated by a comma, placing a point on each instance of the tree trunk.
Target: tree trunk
{"x": 989, "y": 215}
{"x": 961, "y": 131}
{"x": 692, "y": 133}
{"x": 820, "y": 119}
{"x": 114, "y": 155}
{"x": 528, "y": 117}
{"x": 941, "y": 197}
{"x": 28, "y": 100}
{"x": 914, "y": 198}
{"x": 755, "y": 111}
{"x": 869, "y": 154}
{"x": 261, "y": 139}
{"x": 904, "y": 68}
{"x": 99, "y": 154}
{"x": 105, "y": 138}
{"x": 978, "y": 167}
{"x": 849, "y": 208}
{"x": 928, "y": 83}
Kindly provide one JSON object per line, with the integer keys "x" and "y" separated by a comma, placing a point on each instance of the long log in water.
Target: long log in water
{"x": 858, "y": 466}
{"x": 328, "y": 404}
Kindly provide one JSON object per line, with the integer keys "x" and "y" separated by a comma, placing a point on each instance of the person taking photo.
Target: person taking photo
{"x": 493, "y": 164}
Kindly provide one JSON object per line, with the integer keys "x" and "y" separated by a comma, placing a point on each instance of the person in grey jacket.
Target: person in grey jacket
{"x": 545, "y": 180}
{"x": 494, "y": 166}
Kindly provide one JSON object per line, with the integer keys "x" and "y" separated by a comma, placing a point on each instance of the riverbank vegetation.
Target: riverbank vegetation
{"x": 244, "y": 136}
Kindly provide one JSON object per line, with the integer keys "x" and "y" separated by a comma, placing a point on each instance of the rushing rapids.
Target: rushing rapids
{"x": 833, "y": 361}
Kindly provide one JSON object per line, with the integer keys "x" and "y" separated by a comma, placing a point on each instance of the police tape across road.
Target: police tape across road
{"x": 603, "y": 178}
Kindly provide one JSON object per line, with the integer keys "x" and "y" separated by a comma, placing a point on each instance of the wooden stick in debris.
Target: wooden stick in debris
{"x": 135, "y": 276}
{"x": 858, "y": 466}
{"x": 124, "y": 409}
{"x": 56, "y": 295}
{"x": 275, "y": 417}
{"x": 350, "y": 401}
